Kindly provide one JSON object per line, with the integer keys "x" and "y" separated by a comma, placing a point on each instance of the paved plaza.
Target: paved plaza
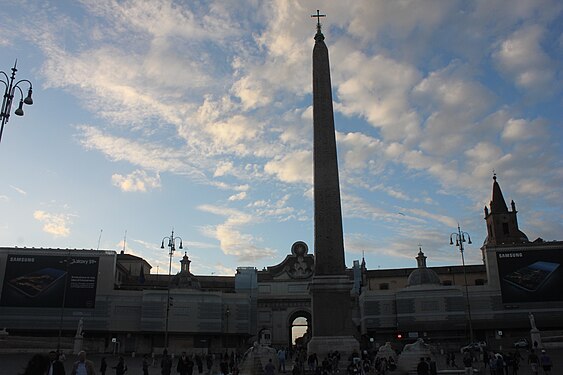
{"x": 13, "y": 364}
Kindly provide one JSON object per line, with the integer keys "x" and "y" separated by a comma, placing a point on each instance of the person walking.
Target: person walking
{"x": 165, "y": 363}
{"x": 145, "y": 364}
{"x": 83, "y": 366}
{"x": 432, "y": 370}
{"x": 468, "y": 363}
{"x": 545, "y": 361}
{"x": 281, "y": 360}
{"x": 270, "y": 368}
{"x": 422, "y": 368}
{"x": 183, "y": 364}
{"x": 120, "y": 367}
{"x": 56, "y": 367}
{"x": 103, "y": 366}
{"x": 534, "y": 362}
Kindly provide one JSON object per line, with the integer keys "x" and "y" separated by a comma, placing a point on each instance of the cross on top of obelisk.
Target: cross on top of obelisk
{"x": 318, "y": 16}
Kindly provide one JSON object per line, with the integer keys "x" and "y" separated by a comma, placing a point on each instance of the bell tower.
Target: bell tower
{"x": 502, "y": 224}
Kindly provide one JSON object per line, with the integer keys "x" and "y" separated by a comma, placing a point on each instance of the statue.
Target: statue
{"x": 532, "y": 320}
{"x": 80, "y": 329}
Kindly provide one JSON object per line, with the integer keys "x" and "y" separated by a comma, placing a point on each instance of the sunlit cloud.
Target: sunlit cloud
{"x": 56, "y": 224}
{"x": 138, "y": 180}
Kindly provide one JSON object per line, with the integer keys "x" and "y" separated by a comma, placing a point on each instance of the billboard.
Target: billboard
{"x": 531, "y": 276}
{"x": 44, "y": 281}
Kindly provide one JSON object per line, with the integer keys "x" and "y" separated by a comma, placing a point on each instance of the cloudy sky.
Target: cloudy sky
{"x": 196, "y": 115}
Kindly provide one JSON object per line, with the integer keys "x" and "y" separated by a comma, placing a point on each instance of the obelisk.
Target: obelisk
{"x": 332, "y": 326}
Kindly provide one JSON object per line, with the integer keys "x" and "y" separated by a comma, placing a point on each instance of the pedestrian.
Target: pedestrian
{"x": 281, "y": 360}
{"x": 120, "y": 367}
{"x": 38, "y": 364}
{"x": 182, "y": 366}
{"x": 56, "y": 367}
{"x": 534, "y": 362}
{"x": 83, "y": 366}
{"x": 103, "y": 366}
{"x": 468, "y": 363}
{"x": 199, "y": 363}
{"x": 270, "y": 368}
{"x": 165, "y": 363}
{"x": 209, "y": 362}
{"x": 545, "y": 361}
{"x": 145, "y": 364}
{"x": 422, "y": 367}
{"x": 432, "y": 366}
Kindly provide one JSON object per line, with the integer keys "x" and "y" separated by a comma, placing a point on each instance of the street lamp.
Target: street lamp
{"x": 66, "y": 262}
{"x": 459, "y": 240}
{"x": 172, "y": 245}
{"x": 10, "y": 89}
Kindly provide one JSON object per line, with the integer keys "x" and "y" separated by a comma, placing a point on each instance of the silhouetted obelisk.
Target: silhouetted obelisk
{"x": 332, "y": 324}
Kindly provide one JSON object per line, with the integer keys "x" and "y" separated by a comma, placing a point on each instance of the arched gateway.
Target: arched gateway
{"x": 283, "y": 296}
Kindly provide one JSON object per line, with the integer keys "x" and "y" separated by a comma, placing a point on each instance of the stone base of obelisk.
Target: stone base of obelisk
{"x": 333, "y": 328}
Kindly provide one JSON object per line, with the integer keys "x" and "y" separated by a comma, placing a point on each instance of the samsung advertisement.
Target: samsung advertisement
{"x": 45, "y": 281}
{"x": 531, "y": 276}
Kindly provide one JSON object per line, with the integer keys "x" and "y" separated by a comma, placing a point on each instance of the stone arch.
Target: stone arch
{"x": 301, "y": 313}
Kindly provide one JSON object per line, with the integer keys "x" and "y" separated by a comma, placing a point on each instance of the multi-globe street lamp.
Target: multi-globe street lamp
{"x": 172, "y": 247}
{"x": 10, "y": 89}
{"x": 460, "y": 238}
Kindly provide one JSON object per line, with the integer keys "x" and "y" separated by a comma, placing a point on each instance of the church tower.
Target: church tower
{"x": 330, "y": 289}
{"x": 502, "y": 224}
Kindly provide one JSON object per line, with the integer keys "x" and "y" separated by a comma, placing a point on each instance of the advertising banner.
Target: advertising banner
{"x": 44, "y": 281}
{"x": 531, "y": 276}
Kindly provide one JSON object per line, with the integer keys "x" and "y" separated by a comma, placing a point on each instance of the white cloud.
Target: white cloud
{"x": 56, "y": 224}
{"x": 238, "y": 197}
{"x": 521, "y": 57}
{"x": 138, "y": 180}
{"x": 20, "y": 191}
{"x": 295, "y": 167}
{"x": 232, "y": 240}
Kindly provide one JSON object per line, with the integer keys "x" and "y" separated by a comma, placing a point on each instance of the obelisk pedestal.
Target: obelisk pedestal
{"x": 332, "y": 317}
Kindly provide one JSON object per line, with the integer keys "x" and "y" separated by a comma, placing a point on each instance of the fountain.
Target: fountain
{"x": 256, "y": 357}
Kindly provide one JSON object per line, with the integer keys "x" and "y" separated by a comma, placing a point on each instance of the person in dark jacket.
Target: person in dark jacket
{"x": 422, "y": 368}
{"x": 185, "y": 365}
{"x": 165, "y": 363}
{"x": 56, "y": 367}
{"x": 121, "y": 367}
{"x": 103, "y": 366}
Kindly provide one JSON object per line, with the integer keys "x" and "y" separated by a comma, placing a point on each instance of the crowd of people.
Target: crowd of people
{"x": 298, "y": 362}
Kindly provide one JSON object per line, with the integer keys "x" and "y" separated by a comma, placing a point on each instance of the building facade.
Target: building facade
{"x": 123, "y": 306}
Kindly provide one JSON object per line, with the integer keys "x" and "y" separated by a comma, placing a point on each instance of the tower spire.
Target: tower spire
{"x": 498, "y": 204}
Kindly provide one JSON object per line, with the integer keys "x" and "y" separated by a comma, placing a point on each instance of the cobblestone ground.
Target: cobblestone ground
{"x": 13, "y": 364}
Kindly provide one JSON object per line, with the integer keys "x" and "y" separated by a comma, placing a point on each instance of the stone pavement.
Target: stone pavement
{"x": 13, "y": 364}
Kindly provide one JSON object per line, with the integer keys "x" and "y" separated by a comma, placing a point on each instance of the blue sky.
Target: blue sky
{"x": 153, "y": 115}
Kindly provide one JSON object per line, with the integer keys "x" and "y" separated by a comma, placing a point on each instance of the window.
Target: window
{"x": 384, "y": 286}
{"x": 479, "y": 282}
{"x": 447, "y": 282}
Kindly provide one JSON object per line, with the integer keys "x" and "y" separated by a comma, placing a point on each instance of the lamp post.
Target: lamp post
{"x": 172, "y": 246}
{"x": 10, "y": 89}
{"x": 66, "y": 261}
{"x": 460, "y": 238}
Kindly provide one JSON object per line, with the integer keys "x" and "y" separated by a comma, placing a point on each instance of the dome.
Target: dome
{"x": 422, "y": 276}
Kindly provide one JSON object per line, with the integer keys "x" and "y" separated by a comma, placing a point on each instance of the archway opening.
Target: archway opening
{"x": 299, "y": 324}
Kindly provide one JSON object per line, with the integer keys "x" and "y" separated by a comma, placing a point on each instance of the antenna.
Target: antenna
{"x": 124, "y": 241}
{"x": 100, "y": 239}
